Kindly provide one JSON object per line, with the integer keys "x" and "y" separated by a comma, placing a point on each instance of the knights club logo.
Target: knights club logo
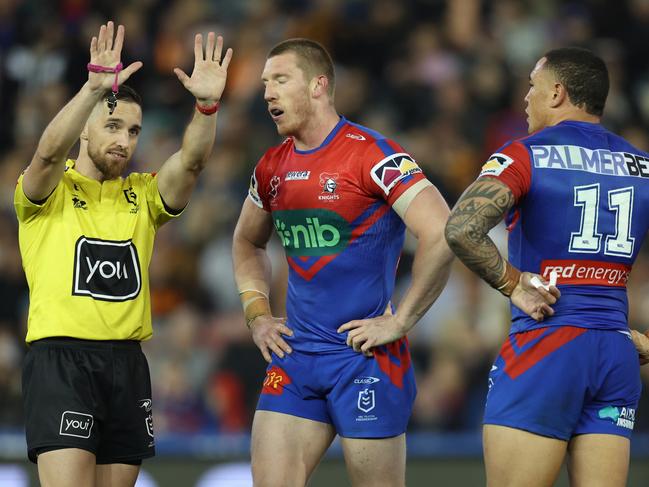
{"x": 329, "y": 183}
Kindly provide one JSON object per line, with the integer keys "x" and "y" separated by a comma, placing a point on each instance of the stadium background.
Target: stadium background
{"x": 444, "y": 78}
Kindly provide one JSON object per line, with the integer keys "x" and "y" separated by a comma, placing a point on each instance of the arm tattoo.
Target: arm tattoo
{"x": 478, "y": 210}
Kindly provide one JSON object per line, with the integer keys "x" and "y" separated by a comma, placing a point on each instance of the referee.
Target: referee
{"x": 86, "y": 237}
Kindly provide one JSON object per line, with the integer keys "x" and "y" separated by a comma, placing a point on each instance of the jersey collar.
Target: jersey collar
{"x": 328, "y": 139}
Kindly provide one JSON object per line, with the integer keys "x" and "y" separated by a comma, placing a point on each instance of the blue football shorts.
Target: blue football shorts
{"x": 564, "y": 381}
{"x": 362, "y": 397}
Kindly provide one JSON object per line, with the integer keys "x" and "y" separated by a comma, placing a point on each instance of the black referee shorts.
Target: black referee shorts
{"x": 92, "y": 395}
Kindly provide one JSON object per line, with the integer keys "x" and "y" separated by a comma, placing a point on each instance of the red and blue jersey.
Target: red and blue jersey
{"x": 333, "y": 209}
{"x": 582, "y": 195}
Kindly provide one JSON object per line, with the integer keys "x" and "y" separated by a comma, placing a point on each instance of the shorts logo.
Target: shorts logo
{"x": 366, "y": 380}
{"x": 297, "y": 175}
{"x": 76, "y": 424}
{"x": 496, "y": 164}
{"x": 620, "y": 416}
{"x": 145, "y": 404}
{"x": 276, "y": 379}
{"x": 366, "y": 400}
{"x": 106, "y": 270}
{"x": 389, "y": 171}
{"x": 148, "y": 421}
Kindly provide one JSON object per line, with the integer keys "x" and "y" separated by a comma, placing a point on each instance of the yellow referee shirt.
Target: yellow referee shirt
{"x": 86, "y": 253}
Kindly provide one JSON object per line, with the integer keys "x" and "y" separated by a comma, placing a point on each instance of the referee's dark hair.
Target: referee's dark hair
{"x": 125, "y": 93}
{"x": 583, "y": 74}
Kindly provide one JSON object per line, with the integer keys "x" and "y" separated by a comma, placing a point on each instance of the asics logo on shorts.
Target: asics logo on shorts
{"x": 106, "y": 270}
{"x": 76, "y": 424}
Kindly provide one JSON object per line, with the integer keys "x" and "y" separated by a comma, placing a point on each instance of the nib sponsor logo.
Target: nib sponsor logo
{"x": 311, "y": 232}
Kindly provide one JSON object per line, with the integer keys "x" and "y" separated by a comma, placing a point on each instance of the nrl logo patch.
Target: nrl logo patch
{"x": 366, "y": 400}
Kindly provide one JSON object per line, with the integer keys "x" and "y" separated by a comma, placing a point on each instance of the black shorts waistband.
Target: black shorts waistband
{"x": 87, "y": 344}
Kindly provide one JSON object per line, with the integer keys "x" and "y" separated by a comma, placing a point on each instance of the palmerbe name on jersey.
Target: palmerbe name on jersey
{"x": 597, "y": 161}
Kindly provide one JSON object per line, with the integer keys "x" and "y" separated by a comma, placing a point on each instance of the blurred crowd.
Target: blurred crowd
{"x": 446, "y": 79}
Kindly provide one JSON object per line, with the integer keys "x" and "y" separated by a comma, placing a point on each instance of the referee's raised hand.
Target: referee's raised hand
{"x": 210, "y": 72}
{"x": 106, "y": 53}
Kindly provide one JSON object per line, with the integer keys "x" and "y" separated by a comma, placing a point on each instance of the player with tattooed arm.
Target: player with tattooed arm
{"x": 576, "y": 202}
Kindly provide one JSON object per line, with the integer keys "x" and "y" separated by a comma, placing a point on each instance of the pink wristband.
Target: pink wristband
{"x": 95, "y": 68}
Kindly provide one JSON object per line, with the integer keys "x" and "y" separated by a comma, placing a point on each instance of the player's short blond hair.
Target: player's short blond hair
{"x": 313, "y": 59}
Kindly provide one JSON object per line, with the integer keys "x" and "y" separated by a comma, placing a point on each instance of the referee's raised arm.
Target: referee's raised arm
{"x": 178, "y": 175}
{"x": 46, "y": 167}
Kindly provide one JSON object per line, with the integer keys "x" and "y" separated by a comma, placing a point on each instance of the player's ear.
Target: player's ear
{"x": 559, "y": 95}
{"x": 319, "y": 87}
{"x": 84, "y": 133}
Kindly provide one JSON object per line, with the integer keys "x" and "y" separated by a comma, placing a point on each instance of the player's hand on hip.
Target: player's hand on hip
{"x": 366, "y": 334}
{"x": 106, "y": 51}
{"x": 535, "y": 296}
{"x": 641, "y": 342}
{"x": 207, "y": 80}
{"x": 267, "y": 334}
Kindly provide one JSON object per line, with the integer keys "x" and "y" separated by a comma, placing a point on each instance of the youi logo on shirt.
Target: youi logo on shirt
{"x": 311, "y": 232}
{"x": 106, "y": 270}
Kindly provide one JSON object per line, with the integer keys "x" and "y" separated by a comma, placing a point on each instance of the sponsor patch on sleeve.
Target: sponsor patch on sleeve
{"x": 253, "y": 191}
{"x": 496, "y": 164}
{"x": 389, "y": 171}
